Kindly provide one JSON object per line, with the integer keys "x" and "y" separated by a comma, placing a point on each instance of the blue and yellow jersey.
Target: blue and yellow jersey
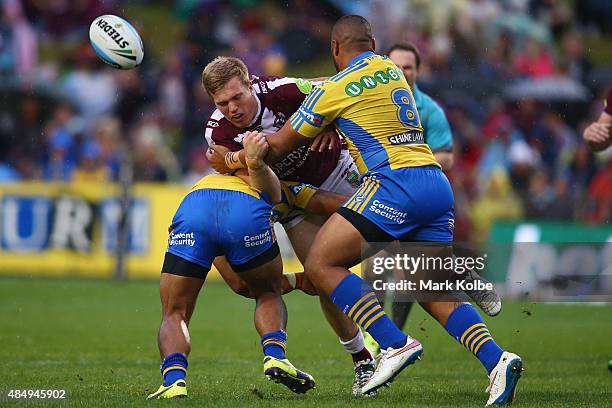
{"x": 371, "y": 104}
{"x": 223, "y": 182}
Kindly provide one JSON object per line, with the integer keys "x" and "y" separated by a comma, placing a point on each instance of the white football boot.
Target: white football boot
{"x": 391, "y": 362}
{"x": 503, "y": 379}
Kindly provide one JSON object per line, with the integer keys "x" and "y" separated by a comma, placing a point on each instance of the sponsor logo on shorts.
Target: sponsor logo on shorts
{"x": 256, "y": 240}
{"x": 388, "y": 212}
{"x": 407, "y": 138}
{"x": 182, "y": 238}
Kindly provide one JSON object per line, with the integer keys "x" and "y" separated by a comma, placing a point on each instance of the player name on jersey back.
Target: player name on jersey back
{"x": 415, "y": 137}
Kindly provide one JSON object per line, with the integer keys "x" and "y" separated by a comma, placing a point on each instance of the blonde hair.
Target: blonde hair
{"x": 219, "y": 71}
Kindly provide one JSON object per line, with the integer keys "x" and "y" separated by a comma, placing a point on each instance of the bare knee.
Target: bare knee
{"x": 312, "y": 269}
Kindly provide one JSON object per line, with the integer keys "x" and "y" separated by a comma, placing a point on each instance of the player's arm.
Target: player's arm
{"x": 220, "y": 141}
{"x": 598, "y": 135}
{"x": 279, "y": 144}
{"x": 316, "y": 113}
{"x": 325, "y": 202}
{"x": 224, "y": 161}
{"x": 311, "y": 199}
{"x": 261, "y": 175}
{"x": 284, "y": 141}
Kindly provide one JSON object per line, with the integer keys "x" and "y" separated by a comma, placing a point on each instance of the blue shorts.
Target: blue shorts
{"x": 409, "y": 204}
{"x": 211, "y": 222}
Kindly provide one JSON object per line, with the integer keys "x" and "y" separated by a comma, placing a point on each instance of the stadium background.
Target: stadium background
{"x": 518, "y": 79}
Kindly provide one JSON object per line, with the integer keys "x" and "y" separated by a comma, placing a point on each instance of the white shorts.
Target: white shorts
{"x": 344, "y": 179}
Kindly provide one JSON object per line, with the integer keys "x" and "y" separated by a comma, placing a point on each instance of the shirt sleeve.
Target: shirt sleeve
{"x": 292, "y": 93}
{"x": 317, "y": 111}
{"x": 438, "y": 134}
{"x": 608, "y": 102}
{"x": 215, "y": 133}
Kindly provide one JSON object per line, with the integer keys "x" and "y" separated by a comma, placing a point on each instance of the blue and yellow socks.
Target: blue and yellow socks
{"x": 274, "y": 344}
{"x": 468, "y": 328}
{"x": 174, "y": 368}
{"x": 358, "y": 302}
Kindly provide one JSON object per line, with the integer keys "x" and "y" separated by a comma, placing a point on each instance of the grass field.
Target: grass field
{"x": 96, "y": 339}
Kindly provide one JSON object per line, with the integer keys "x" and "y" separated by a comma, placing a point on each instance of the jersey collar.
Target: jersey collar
{"x": 256, "y": 117}
{"x": 361, "y": 56}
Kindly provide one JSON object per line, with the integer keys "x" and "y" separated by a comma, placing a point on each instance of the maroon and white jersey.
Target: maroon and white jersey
{"x": 608, "y": 102}
{"x": 278, "y": 98}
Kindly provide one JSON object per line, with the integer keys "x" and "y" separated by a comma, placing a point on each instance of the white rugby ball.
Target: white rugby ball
{"x": 116, "y": 42}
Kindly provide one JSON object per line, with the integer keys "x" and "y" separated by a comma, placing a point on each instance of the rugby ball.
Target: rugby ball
{"x": 116, "y": 42}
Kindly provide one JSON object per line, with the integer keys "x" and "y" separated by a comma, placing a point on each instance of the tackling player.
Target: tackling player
{"x": 223, "y": 215}
{"x": 265, "y": 104}
{"x": 403, "y": 196}
{"x": 438, "y": 137}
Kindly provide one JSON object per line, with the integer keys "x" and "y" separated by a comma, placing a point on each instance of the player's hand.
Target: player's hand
{"x": 216, "y": 156}
{"x": 597, "y": 132}
{"x": 598, "y": 135}
{"x": 326, "y": 140}
{"x": 256, "y": 147}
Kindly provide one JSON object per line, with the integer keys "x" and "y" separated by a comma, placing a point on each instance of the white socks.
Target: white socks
{"x": 355, "y": 345}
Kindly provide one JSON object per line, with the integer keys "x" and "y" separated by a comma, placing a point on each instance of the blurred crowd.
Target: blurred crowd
{"x": 514, "y": 77}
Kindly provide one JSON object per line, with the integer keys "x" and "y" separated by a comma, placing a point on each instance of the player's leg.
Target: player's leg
{"x": 369, "y": 277}
{"x": 247, "y": 239}
{"x": 302, "y": 236}
{"x": 178, "y": 296}
{"x": 337, "y": 247}
{"x": 349, "y": 334}
{"x": 262, "y": 274}
{"x": 463, "y": 322}
{"x": 183, "y": 273}
{"x": 180, "y": 284}
{"x": 264, "y": 283}
{"x": 289, "y": 281}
